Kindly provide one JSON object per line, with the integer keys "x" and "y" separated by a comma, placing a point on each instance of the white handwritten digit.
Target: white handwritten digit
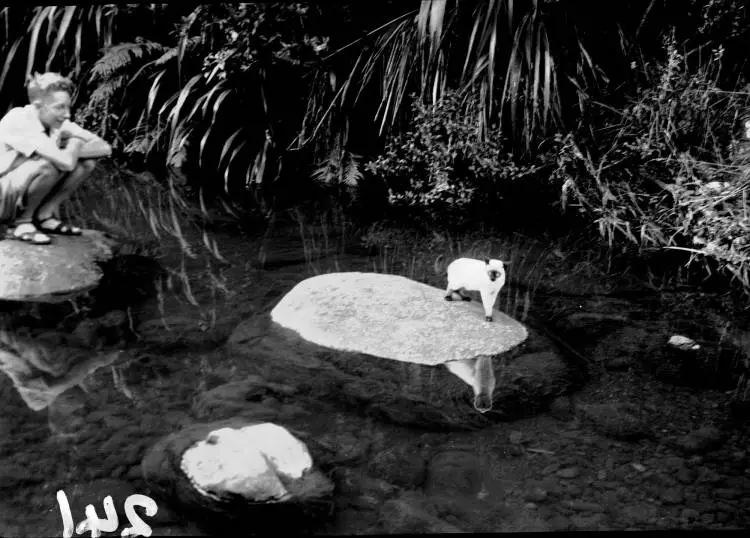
{"x": 95, "y": 525}
{"x": 67, "y": 516}
{"x": 138, "y": 527}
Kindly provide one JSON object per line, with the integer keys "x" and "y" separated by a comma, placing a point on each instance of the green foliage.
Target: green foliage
{"x": 341, "y": 168}
{"x": 111, "y": 76}
{"x": 444, "y": 169}
{"x": 672, "y": 172}
{"x": 500, "y": 51}
{"x": 726, "y": 19}
{"x": 251, "y": 36}
{"x": 211, "y": 95}
{"x": 52, "y": 38}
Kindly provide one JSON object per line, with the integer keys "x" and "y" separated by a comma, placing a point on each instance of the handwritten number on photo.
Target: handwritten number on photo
{"x": 138, "y": 526}
{"x": 96, "y": 526}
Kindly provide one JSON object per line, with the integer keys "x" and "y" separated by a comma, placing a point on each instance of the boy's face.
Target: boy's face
{"x": 54, "y": 109}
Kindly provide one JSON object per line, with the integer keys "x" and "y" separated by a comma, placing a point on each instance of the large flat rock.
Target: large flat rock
{"x": 355, "y": 354}
{"x": 393, "y": 317}
{"x": 55, "y": 272}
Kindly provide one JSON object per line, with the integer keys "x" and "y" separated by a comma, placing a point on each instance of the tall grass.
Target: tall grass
{"x": 325, "y": 235}
{"x": 152, "y": 219}
{"x": 669, "y": 170}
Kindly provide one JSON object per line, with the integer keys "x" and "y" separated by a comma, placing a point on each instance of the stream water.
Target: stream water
{"x": 561, "y": 470}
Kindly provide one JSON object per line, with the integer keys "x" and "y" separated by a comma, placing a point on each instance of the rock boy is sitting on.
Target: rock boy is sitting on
{"x": 43, "y": 157}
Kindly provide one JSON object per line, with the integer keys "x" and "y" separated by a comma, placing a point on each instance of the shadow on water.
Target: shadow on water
{"x": 90, "y": 386}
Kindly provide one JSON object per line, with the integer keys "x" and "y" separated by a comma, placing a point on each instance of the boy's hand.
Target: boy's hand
{"x": 62, "y": 141}
{"x": 72, "y": 143}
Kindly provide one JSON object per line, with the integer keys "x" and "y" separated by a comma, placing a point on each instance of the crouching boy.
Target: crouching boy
{"x": 43, "y": 158}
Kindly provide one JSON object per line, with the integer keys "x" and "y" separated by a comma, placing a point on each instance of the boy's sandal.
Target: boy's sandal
{"x": 33, "y": 235}
{"x": 60, "y": 229}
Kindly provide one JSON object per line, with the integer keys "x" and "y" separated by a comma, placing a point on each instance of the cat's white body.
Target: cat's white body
{"x": 485, "y": 276}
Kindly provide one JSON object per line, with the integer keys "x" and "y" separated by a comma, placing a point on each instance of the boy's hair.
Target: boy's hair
{"x": 40, "y": 85}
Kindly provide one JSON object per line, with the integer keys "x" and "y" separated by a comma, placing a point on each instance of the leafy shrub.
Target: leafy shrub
{"x": 444, "y": 168}
{"x": 671, "y": 174}
{"x": 206, "y": 96}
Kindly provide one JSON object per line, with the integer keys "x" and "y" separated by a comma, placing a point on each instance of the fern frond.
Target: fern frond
{"x": 353, "y": 170}
{"x": 120, "y": 57}
{"x": 108, "y": 88}
{"x": 323, "y": 173}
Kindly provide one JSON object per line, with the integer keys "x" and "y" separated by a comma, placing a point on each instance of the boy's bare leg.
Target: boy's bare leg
{"x": 48, "y": 211}
{"x": 47, "y": 176}
{"x": 38, "y": 178}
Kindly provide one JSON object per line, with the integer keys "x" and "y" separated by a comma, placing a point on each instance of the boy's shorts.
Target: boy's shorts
{"x": 14, "y": 184}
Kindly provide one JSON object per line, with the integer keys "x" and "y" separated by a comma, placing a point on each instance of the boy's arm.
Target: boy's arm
{"x": 93, "y": 146}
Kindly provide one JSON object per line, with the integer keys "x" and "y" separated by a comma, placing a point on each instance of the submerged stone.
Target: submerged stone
{"x": 239, "y": 473}
{"x": 683, "y": 343}
{"x": 249, "y": 462}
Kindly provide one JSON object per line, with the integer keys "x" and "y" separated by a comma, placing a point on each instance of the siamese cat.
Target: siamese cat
{"x": 485, "y": 276}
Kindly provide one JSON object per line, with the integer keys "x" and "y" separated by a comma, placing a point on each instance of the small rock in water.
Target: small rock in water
{"x": 702, "y": 440}
{"x": 638, "y": 467}
{"x": 639, "y": 513}
{"x": 561, "y": 408}
{"x": 454, "y": 469}
{"x": 409, "y": 515}
{"x": 683, "y": 342}
{"x": 593, "y": 522}
{"x": 727, "y": 493}
{"x": 536, "y": 495}
{"x": 672, "y": 496}
{"x": 568, "y": 472}
{"x": 686, "y": 476}
{"x": 674, "y": 462}
{"x": 689, "y": 515}
{"x": 583, "y": 506}
{"x": 707, "y": 518}
{"x": 615, "y": 420}
{"x": 619, "y": 363}
{"x": 559, "y": 522}
{"x": 709, "y": 476}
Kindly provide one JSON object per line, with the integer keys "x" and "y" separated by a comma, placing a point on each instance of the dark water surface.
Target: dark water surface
{"x": 562, "y": 470}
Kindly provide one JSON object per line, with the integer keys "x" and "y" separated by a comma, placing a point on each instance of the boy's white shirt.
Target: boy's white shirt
{"x": 21, "y": 125}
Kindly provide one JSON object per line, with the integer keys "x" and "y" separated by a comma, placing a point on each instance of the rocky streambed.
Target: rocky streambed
{"x": 633, "y": 445}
